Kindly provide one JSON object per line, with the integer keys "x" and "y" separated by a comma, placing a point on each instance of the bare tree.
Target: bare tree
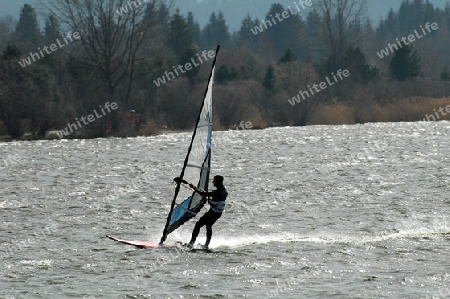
{"x": 113, "y": 34}
{"x": 341, "y": 25}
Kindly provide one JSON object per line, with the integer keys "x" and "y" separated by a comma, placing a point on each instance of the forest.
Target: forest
{"x": 93, "y": 54}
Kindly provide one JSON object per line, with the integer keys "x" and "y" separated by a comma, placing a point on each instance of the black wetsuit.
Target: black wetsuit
{"x": 217, "y": 203}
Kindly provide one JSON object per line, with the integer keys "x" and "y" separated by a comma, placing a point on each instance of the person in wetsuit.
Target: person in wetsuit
{"x": 217, "y": 202}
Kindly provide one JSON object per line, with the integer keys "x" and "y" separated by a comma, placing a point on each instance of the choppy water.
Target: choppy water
{"x": 313, "y": 212}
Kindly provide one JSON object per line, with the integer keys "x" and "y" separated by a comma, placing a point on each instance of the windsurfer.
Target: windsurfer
{"x": 217, "y": 202}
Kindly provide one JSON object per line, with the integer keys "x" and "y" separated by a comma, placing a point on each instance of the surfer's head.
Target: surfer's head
{"x": 218, "y": 180}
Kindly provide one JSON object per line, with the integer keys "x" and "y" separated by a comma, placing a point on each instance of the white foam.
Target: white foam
{"x": 433, "y": 230}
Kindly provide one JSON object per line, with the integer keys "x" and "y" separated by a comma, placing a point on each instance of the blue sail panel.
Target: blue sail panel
{"x": 180, "y": 210}
{"x": 183, "y": 212}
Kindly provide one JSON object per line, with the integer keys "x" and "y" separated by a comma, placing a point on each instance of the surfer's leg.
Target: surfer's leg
{"x": 209, "y": 229}
{"x": 195, "y": 232}
{"x": 208, "y": 235}
{"x": 202, "y": 221}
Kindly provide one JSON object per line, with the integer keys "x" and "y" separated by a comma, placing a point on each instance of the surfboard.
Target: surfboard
{"x": 140, "y": 244}
{"x": 200, "y": 248}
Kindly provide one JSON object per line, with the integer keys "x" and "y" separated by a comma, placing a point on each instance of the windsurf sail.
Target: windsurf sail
{"x": 196, "y": 167}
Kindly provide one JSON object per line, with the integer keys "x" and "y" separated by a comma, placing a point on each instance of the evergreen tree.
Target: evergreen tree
{"x": 27, "y": 30}
{"x": 445, "y": 75}
{"x": 194, "y": 27}
{"x": 387, "y": 26}
{"x": 313, "y": 23}
{"x": 52, "y": 28}
{"x": 208, "y": 33}
{"x": 52, "y": 31}
{"x": 355, "y": 61}
{"x": 188, "y": 54}
{"x": 11, "y": 52}
{"x": 269, "y": 79}
{"x": 405, "y": 64}
{"x": 284, "y": 34}
{"x": 179, "y": 36}
{"x": 245, "y": 32}
{"x": 222, "y": 30}
{"x": 288, "y": 56}
{"x": 409, "y": 17}
{"x": 11, "y": 91}
{"x": 225, "y": 74}
{"x": 163, "y": 17}
{"x": 403, "y": 18}
{"x": 215, "y": 32}
{"x": 313, "y": 30}
{"x": 446, "y": 16}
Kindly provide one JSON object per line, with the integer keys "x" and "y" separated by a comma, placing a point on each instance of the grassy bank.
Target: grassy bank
{"x": 334, "y": 113}
{"x": 405, "y": 110}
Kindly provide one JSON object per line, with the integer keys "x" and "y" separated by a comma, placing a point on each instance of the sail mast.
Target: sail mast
{"x": 177, "y": 189}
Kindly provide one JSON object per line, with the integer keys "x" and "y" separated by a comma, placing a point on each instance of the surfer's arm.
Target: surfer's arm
{"x": 200, "y": 191}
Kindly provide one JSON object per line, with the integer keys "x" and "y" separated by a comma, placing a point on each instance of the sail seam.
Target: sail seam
{"x": 196, "y": 166}
{"x": 207, "y": 125}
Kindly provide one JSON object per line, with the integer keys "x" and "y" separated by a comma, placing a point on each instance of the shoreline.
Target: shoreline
{"x": 4, "y": 139}
{"x": 332, "y": 113}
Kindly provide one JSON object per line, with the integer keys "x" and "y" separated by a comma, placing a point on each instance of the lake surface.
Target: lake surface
{"x": 313, "y": 212}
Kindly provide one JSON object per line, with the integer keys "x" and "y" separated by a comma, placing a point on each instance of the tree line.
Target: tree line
{"x": 119, "y": 56}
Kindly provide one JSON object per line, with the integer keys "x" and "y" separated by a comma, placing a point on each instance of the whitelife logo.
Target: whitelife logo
{"x": 187, "y": 67}
{"x": 411, "y": 38}
{"x": 90, "y": 118}
{"x": 131, "y": 5}
{"x": 281, "y": 17}
{"x": 323, "y": 85}
{"x": 53, "y": 48}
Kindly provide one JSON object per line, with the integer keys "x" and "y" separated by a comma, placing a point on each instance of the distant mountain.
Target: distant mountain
{"x": 233, "y": 10}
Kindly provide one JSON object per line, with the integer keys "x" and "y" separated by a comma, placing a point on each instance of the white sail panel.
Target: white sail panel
{"x": 198, "y": 165}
